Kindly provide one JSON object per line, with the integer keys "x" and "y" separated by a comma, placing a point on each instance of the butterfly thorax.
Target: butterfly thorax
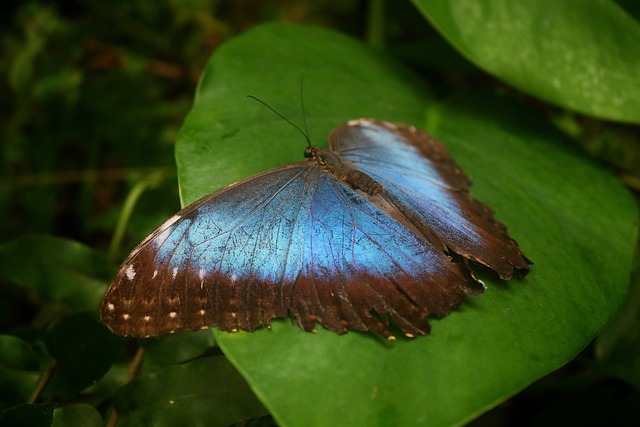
{"x": 344, "y": 171}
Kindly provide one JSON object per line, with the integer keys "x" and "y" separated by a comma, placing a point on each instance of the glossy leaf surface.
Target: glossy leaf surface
{"x": 559, "y": 207}
{"x": 580, "y": 55}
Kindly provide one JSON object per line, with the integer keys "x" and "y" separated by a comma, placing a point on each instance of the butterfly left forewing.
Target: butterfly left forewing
{"x": 294, "y": 242}
{"x": 192, "y": 272}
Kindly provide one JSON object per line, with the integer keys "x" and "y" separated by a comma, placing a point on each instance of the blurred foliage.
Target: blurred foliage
{"x": 92, "y": 95}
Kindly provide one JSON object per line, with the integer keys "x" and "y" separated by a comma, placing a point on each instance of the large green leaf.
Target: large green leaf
{"x": 574, "y": 220}
{"x": 231, "y": 136}
{"x": 583, "y": 55}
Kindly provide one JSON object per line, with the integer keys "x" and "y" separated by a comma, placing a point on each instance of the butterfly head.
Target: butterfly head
{"x": 311, "y": 152}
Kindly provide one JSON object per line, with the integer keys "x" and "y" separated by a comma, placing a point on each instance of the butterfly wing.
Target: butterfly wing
{"x": 295, "y": 242}
{"x": 430, "y": 190}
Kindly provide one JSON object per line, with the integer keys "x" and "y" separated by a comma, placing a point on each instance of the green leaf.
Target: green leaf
{"x": 84, "y": 349}
{"x": 175, "y": 348}
{"x": 19, "y": 370}
{"x": 79, "y": 415}
{"x": 580, "y": 55}
{"x": 57, "y": 270}
{"x": 16, "y": 385}
{"x": 618, "y": 347}
{"x": 207, "y": 392}
{"x": 573, "y": 219}
{"x": 17, "y": 354}
{"x": 240, "y": 137}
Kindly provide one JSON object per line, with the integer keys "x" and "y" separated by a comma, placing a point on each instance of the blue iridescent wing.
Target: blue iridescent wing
{"x": 295, "y": 242}
{"x": 430, "y": 190}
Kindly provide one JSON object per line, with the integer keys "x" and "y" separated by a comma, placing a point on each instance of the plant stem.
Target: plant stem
{"x": 44, "y": 380}
{"x": 375, "y": 24}
{"x": 151, "y": 180}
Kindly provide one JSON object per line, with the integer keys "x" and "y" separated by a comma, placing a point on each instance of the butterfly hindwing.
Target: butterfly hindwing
{"x": 422, "y": 181}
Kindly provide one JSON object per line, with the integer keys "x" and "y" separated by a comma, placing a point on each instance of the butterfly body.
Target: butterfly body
{"x": 355, "y": 238}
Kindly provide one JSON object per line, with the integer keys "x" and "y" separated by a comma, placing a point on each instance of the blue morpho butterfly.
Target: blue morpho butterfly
{"x": 360, "y": 237}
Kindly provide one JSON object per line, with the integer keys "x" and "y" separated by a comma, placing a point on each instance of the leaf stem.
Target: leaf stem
{"x": 375, "y": 24}
{"x": 82, "y": 176}
{"x": 42, "y": 383}
{"x": 150, "y": 181}
{"x": 134, "y": 368}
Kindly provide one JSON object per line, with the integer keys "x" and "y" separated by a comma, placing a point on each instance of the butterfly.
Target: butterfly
{"x": 374, "y": 234}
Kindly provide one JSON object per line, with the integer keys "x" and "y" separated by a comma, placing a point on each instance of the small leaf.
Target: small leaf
{"x": 17, "y": 354}
{"x": 19, "y": 370}
{"x": 79, "y": 415}
{"x": 175, "y": 348}
{"x": 84, "y": 349}
{"x": 16, "y": 385}
{"x": 57, "y": 270}
{"x": 207, "y": 392}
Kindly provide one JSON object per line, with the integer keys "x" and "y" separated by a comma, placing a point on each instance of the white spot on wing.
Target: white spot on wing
{"x": 155, "y": 273}
{"x": 173, "y": 314}
{"x": 202, "y": 312}
{"x": 175, "y": 272}
{"x": 162, "y": 237}
{"x": 233, "y": 278}
{"x": 125, "y": 316}
{"x": 201, "y": 276}
{"x": 130, "y": 272}
{"x": 147, "y": 318}
{"x": 356, "y": 122}
{"x": 111, "y": 307}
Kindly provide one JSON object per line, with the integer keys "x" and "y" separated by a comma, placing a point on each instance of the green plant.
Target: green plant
{"x": 571, "y": 217}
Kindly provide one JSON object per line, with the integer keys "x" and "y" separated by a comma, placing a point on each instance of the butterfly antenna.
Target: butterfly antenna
{"x": 305, "y": 134}
{"x": 304, "y": 114}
